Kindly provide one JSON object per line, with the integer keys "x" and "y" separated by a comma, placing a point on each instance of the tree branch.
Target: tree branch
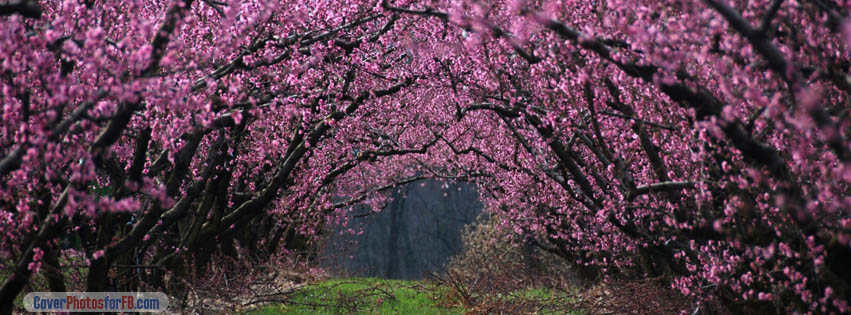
{"x": 163, "y": 35}
{"x": 663, "y": 186}
{"x": 26, "y": 8}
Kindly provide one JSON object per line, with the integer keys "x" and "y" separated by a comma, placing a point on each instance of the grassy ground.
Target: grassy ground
{"x": 380, "y": 296}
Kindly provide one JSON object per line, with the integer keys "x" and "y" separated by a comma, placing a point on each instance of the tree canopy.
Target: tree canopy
{"x": 706, "y": 141}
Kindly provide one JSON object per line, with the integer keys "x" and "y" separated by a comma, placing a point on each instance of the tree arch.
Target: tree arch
{"x": 702, "y": 141}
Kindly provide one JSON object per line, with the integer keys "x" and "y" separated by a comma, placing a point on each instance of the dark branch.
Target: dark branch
{"x": 363, "y": 196}
{"x": 664, "y": 186}
{"x": 769, "y": 15}
{"x": 163, "y": 35}
{"x": 26, "y": 8}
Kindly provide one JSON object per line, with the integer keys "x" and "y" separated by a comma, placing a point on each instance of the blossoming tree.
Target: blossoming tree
{"x": 700, "y": 140}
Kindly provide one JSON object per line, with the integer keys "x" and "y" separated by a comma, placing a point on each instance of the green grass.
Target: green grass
{"x": 364, "y": 296}
{"x": 381, "y": 296}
